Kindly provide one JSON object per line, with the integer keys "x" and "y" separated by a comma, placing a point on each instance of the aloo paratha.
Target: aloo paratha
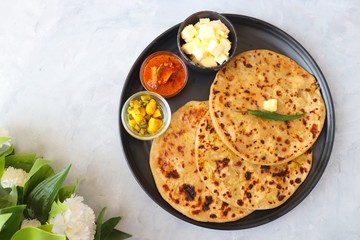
{"x": 172, "y": 162}
{"x": 244, "y": 84}
{"x": 241, "y": 183}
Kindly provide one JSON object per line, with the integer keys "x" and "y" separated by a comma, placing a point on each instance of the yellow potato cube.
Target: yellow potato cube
{"x": 139, "y": 114}
{"x": 157, "y": 114}
{"x": 145, "y": 98}
{"x": 137, "y": 128}
{"x": 151, "y": 107}
{"x": 142, "y": 132}
{"x": 154, "y": 125}
{"x": 132, "y": 122}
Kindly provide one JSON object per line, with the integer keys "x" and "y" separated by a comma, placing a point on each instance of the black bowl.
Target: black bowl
{"x": 194, "y": 18}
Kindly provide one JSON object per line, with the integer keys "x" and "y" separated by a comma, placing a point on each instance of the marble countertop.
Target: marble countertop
{"x": 62, "y": 69}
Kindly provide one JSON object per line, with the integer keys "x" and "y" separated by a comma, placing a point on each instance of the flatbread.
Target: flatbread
{"x": 241, "y": 183}
{"x": 244, "y": 84}
{"x": 172, "y": 162}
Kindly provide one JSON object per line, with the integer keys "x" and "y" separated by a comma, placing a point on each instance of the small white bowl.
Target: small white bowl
{"x": 165, "y": 109}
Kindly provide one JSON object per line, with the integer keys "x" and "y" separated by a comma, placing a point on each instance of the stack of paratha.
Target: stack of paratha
{"x": 172, "y": 161}
{"x": 218, "y": 163}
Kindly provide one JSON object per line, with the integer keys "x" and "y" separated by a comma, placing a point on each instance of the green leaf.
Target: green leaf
{"x": 8, "y": 197}
{"x": 24, "y": 161}
{"x": 4, "y": 140}
{"x": 38, "y": 173}
{"x": 3, "y": 219}
{"x": 108, "y": 226}
{"x": 46, "y": 227}
{"x": 56, "y": 208}
{"x": 13, "y": 223}
{"x": 6, "y": 150}
{"x": 41, "y": 198}
{"x": 4, "y": 197}
{"x": 20, "y": 191}
{"x": 3, "y": 153}
{"x": 106, "y": 230}
{"x": 67, "y": 191}
{"x": 33, "y": 233}
{"x": 118, "y": 235}
{"x": 99, "y": 222}
{"x": 13, "y": 196}
{"x": 2, "y": 166}
{"x": 37, "y": 165}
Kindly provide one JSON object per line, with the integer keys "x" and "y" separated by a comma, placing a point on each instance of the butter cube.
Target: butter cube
{"x": 192, "y": 57}
{"x": 198, "y": 51}
{"x": 204, "y": 20}
{"x": 270, "y": 105}
{"x": 214, "y": 48}
{"x": 226, "y": 44}
{"x": 221, "y": 58}
{"x": 217, "y": 24}
{"x": 208, "y": 61}
{"x": 220, "y": 34}
{"x": 188, "y": 33}
{"x": 206, "y": 32}
{"x": 188, "y": 48}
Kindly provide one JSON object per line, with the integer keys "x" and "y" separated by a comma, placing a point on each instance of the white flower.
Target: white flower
{"x": 13, "y": 177}
{"x": 77, "y": 222}
{"x": 30, "y": 223}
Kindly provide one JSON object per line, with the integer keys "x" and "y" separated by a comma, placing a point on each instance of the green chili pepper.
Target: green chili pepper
{"x": 274, "y": 116}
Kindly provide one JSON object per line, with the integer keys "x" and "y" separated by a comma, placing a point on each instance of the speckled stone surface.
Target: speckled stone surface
{"x": 62, "y": 68}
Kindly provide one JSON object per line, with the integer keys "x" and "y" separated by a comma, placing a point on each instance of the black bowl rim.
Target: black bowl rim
{"x": 211, "y": 15}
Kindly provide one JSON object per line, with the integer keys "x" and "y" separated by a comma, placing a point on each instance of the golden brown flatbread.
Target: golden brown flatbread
{"x": 244, "y": 84}
{"x": 172, "y": 162}
{"x": 241, "y": 183}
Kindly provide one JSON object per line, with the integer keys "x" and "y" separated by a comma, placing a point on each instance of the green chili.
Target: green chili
{"x": 274, "y": 115}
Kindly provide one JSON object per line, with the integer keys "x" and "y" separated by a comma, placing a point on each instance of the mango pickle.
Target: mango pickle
{"x": 144, "y": 115}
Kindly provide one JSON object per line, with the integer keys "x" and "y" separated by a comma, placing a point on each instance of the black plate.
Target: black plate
{"x": 252, "y": 34}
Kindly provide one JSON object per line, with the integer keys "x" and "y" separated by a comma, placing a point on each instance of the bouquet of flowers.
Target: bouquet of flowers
{"x": 34, "y": 204}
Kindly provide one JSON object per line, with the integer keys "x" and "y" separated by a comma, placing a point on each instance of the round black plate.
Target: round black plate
{"x": 252, "y": 34}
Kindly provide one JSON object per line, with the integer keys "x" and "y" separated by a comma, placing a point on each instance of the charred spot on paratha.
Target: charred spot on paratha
{"x": 208, "y": 201}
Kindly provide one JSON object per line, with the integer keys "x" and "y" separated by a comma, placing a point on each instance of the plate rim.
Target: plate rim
{"x": 329, "y": 126}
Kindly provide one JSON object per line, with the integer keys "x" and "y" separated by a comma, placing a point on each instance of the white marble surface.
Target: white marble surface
{"x": 62, "y": 69}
